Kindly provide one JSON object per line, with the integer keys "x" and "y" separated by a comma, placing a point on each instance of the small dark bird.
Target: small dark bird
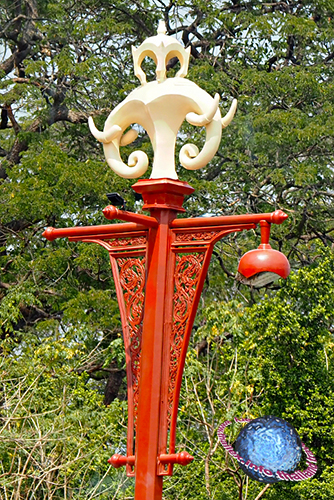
{"x": 116, "y": 200}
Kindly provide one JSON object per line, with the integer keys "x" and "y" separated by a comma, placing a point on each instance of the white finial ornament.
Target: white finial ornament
{"x": 160, "y": 107}
{"x": 161, "y": 28}
{"x": 161, "y": 48}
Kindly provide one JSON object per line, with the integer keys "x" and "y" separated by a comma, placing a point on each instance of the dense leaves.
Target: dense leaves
{"x": 275, "y": 358}
{"x": 56, "y": 434}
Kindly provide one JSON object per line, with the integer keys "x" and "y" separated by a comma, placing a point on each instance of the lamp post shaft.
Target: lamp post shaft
{"x": 148, "y": 484}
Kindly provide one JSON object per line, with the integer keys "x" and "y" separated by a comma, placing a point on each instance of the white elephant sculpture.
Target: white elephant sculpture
{"x": 160, "y": 107}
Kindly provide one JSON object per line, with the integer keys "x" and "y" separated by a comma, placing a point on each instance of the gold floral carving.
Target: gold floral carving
{"x": 187, "y": 274}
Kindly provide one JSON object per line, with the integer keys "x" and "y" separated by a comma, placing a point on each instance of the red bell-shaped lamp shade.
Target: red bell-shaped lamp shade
{"x": 264, "y": 265}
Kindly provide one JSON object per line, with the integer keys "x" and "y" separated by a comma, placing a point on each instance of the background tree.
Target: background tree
{"x": 54, "y": 429}
{"x": 64, "y": 61}
{"x": 274, "y": 358}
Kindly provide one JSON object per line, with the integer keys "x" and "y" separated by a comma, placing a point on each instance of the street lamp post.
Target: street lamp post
{"x": 159, "y": 262}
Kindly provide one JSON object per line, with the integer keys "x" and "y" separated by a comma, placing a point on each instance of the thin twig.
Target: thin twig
{"x": 262, "y": 491}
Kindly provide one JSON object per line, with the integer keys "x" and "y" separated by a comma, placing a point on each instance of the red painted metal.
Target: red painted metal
{"x": 264, "y": 258}
{"x": 127, "y": 253}
{"x": 163, "y": 193}
{"x": 159, "y": 265}
{"x": 119, "y": 460}
{"x": 52, "y": 234}
{"x": 111, "y": 213}
{"x": 277, "y": 217}
{"x": 183, "y": 458}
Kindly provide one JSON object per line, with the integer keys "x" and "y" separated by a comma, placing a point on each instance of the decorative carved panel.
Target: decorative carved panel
{"x": 202, "y": 236}
{"x": 122, "y": 242}
{"x": 188, "y": 269}
{"x": 132, "y": 279}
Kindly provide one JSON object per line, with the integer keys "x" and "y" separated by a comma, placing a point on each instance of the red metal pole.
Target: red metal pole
{"x": 164, "y": 199}
{"x": 148, "y": 483}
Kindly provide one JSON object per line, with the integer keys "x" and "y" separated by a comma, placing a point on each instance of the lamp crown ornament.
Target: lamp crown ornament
{"x": 161, "y": 48}
{"x": 160, "y": 107}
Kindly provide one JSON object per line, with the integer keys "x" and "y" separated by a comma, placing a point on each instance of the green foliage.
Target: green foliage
{"x": 56, "y": 435}
{"x": 274, "y": 358}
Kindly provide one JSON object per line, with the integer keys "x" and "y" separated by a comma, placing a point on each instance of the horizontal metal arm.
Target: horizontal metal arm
{"x": 51, "y": 233}
{"x": 120, "y": 460}
{"x": 67, "y": 232}
{"x": 277, "y": 217}
{"x": 110, "y": 212}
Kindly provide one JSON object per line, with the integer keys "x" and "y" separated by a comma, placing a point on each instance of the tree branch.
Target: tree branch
{"x": 57, "y": 114}
{"x": 262, "y": 492}
{"x": 13, "y": 121}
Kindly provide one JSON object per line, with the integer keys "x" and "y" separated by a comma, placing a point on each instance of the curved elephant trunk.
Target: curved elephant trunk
{"x": 230, "y": 115}
{"x": 190, "y": 157}
{"x": 111, "y": 140}
{"x": 137, "y": 162}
